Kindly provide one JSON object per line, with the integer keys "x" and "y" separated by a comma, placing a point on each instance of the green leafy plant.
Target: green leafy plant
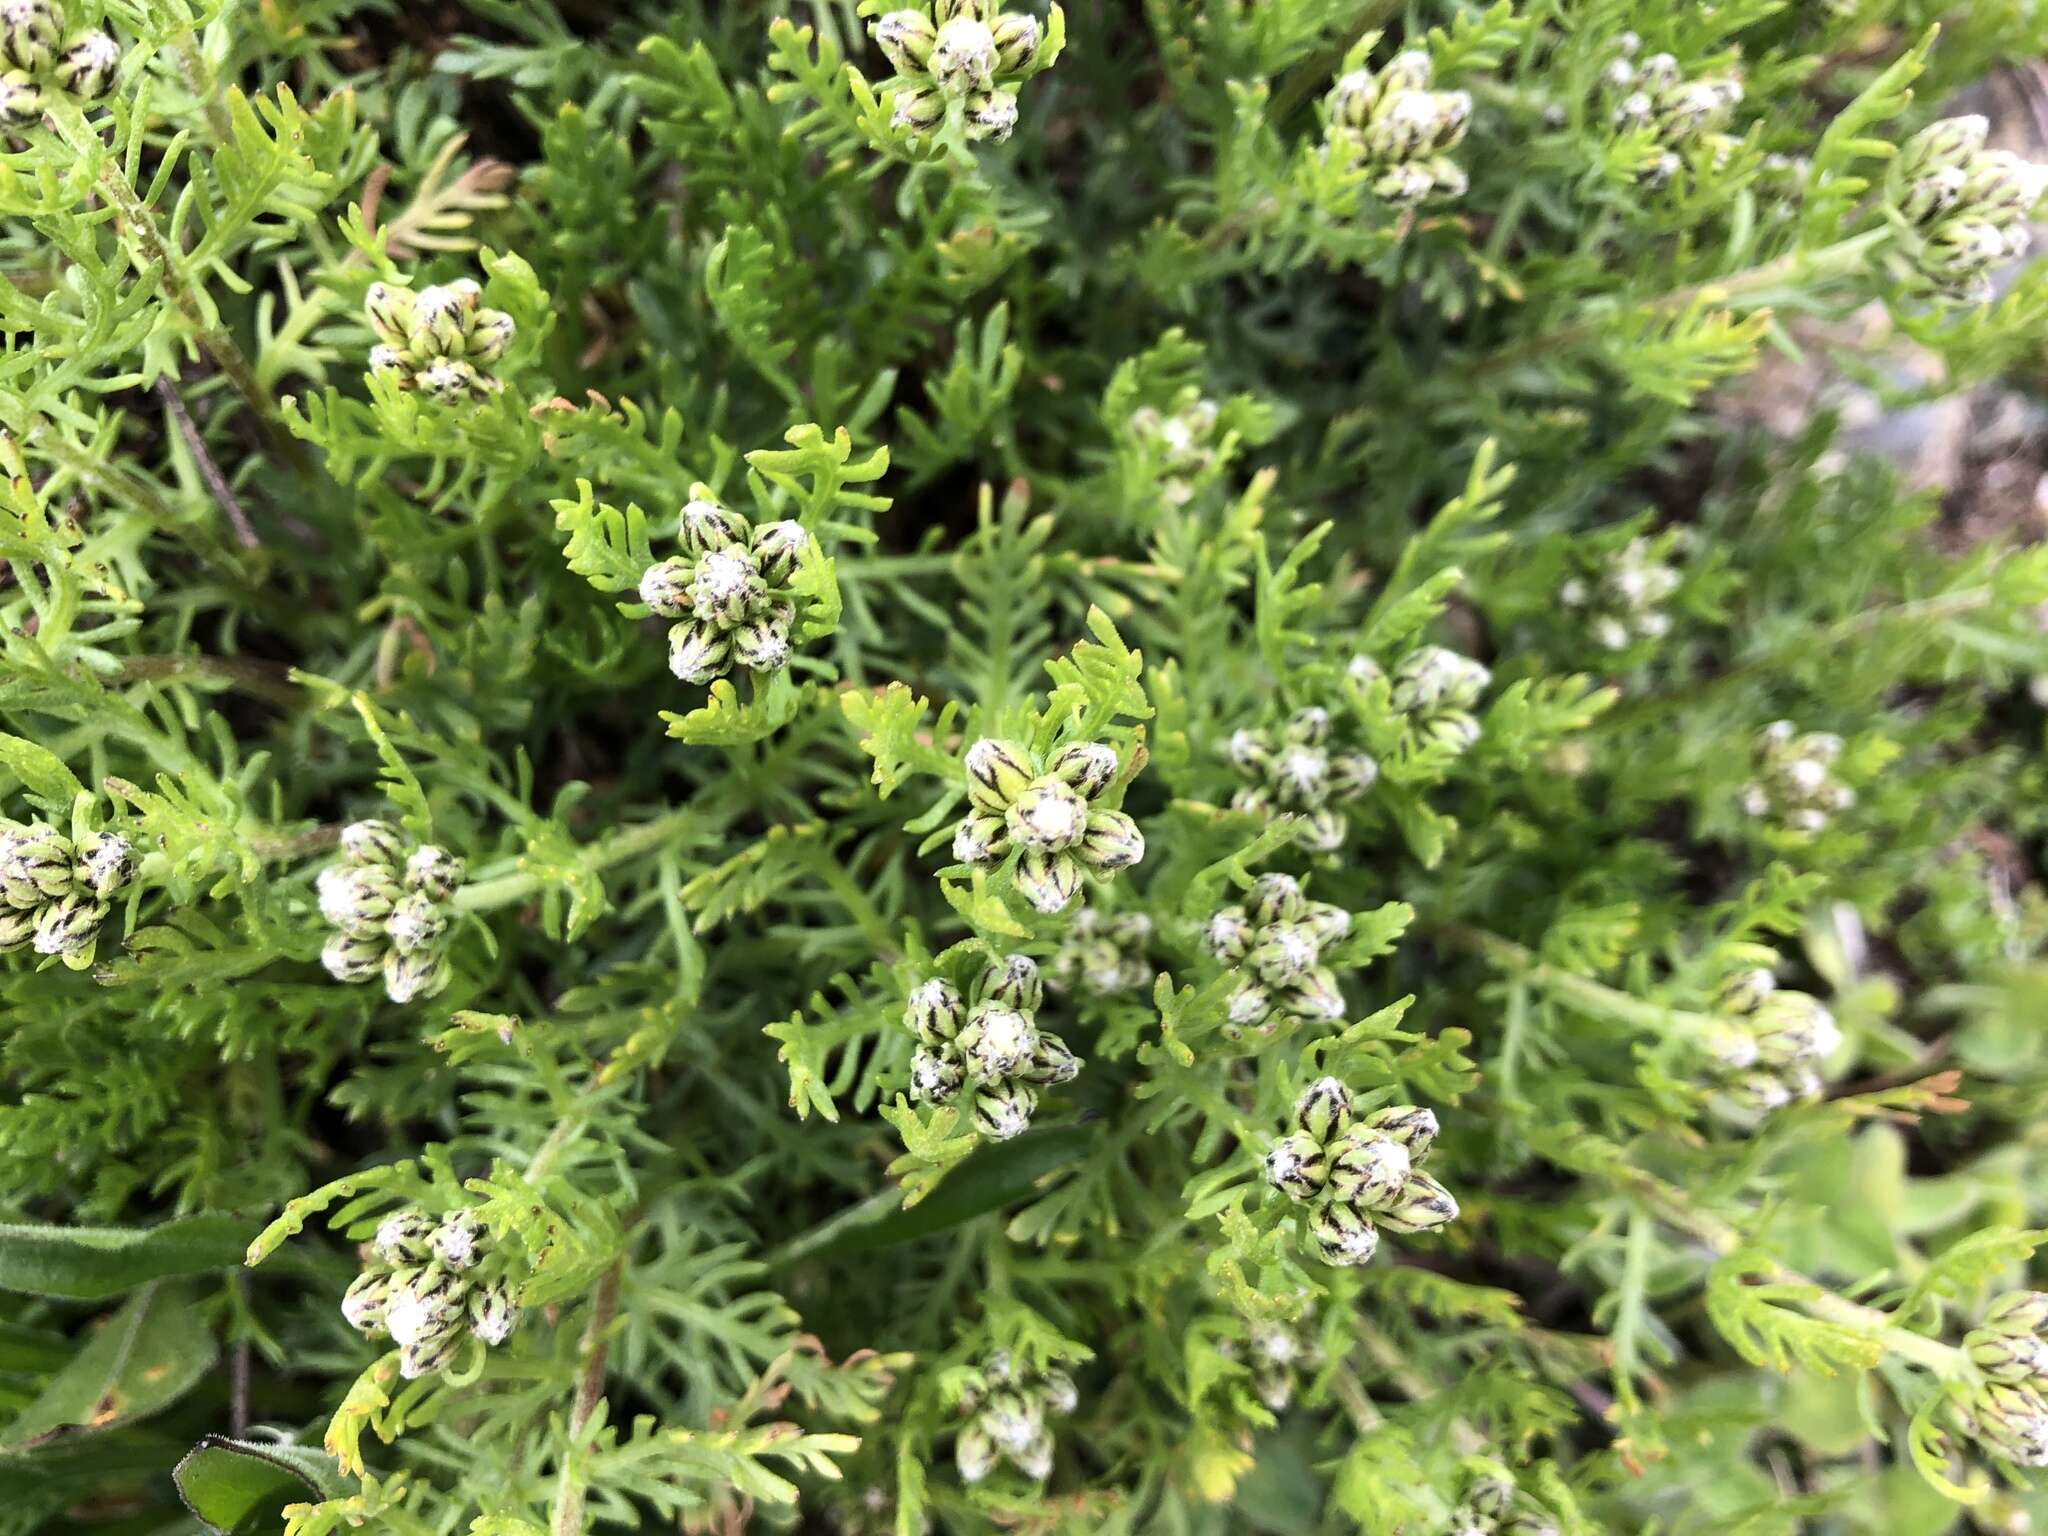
{"x": 1196, "y": 768}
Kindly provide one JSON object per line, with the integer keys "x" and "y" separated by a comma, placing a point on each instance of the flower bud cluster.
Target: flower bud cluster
{"x": 439, "y": 340}
{"x": 959, "y": 50}
{"x": 1493, "y": 1506}
{"x": 1103, "y": 956}
{"x": 40, "y": 54}
{"x": 1184, "y": 441}
{"x": 391, "y": 905}
{"x": 730, "y": 590}
{"x": 1047, "y": 810}
{"x": 1276, "y": 942}
{"x": 1277, "y": 1355}
{"x": 1293, "y": 771}
{"x": 1435, "y": 690}
{"x": 1008, "y": 1409}
{"x": 1392, "y": 124}
{"x": 987, "y": 1045}
{"x": 424, "y": 1287}
{"x": 1358, "y": 1173}
{"x": 55, "y": 893}
{"x": 1795, "y": 785}
{"x": 1770, "y": 1051}
{"x": 1963, "y": 209}
{"x": 1679, "y": 113}
{"x": 2008, "y": 1413}
{"x": 1623, "y": 600}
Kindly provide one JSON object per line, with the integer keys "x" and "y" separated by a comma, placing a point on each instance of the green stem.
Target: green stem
{"x": 250, "y": 677}
{"x": 1591, "y": 997}
{"x": 153, "y": 254}
{"x": 570, "y": 1487}
{"x": 1307, "y": 77}
{"x": 504, "y": 890}
{"x": 1738, "y": 290}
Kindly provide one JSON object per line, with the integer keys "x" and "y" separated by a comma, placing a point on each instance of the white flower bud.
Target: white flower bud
{"x": 1297, "y": 1166}
{"x": 29, "y": 30}
{"x": 1051, "y": 1063}
{"x": 778, "y": 547}
{"x": 1111, "y": 842}
{"x": 992, "y": 115}
{"x": 1003, "y": 1110}
{"x": 1274, "y": 898}
{"x": 980, "y": 840}
{"x": 357, "y": 898}
{"x": 372, "y": 842}
{"x": 1411, "y": 1125}
{"x": 433, "y": 871}
{"x": 1013, "y": 981}
{"x": 936, "y": 1012}
{"x": 998, "y": 1041}
{"x": 1323, "y": 1110}
{"x": 761, "y": 645}
{"x": 21, "y": 99}
{"x": 1016, "y": 38}
{"x": 458, "y": 1241}
{"x": 905, "y": 38}
{"x": 997, "y": 773}
{"x": 1049, "y": 815}
{"x": 1048, "y": 880}
{"x": 492, "y": 1313}
{"x": 363, "y": 1303}
{"x": 665, "y": 587}
{"x": 418, "y": 975}
{"x": 699, "y": 651}
{"x": 106, "y": 863}
{"x": 405, "y": 1236}
{"x": 963, "y": 58}
{"x": 1368, "y": 1168}
{"x": 417, "y": 923}
{"x": 17, "y": 928}
{"x": 449, "y": 380}
{"x": 1342, "y": 1235}
{"x": 706, "y": 524}
{"x": 354, "y": 957}
{"x": 917, "y": 110}
{"x": 1422, "y": 1205}
{"x": 935, "y": 1075}
{"x": 88, "y": 66}
{"x": 67, "y": 927}
{"x": 1086, "y": 765}
{"x": 1228, "y": 935}
{"x": 424, "y": 1303}
{"x": 973, "y": 1454}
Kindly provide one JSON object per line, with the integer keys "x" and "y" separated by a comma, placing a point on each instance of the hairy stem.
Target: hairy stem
{"x": 596, "y": 1348}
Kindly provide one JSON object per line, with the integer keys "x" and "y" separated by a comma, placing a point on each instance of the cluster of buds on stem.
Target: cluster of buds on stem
{"x": 1182, "y": 440}
{"x": 964, "y": 51}
{"x": 988, "y": 1045}
{"x": 2008, "y": 1413}
{"x": 439, "y": 340}
{"x": 427, "y": 1285}
{"x": 1048, "y": 812}
{"x": 1435, "y": 691}
{"x": 1398, "y": 129}
{"x": 1961, "y": 209}
{"x": 1678, "y": 113}
{"x": 1622, "y": 601}
{"x": 730, "y": 590}
{"x": 1491, "y": 1505}
{"x": 54, "y": 892}
{"x": 1357, "y": 1174}
{"x": 391, "y": 904}
{"x": 1103, "y": 956}
{"x": 1276, "y": 942}
{"x": 1772, "y": 1043}
{"x": 1008, "y": 1408}
{"x": 41, "y": 56}
{"x": 1795, "y": 784}
{"x": 1294, "y": 772}
{"x": 1276, "y": 1355}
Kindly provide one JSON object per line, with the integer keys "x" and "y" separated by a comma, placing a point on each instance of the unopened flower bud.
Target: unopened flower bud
{"x": 419, "y": 974}
{"x": 1274, "y": 899}
{"x": 974, "y": 1455}
{"x": 363, "y": 1303}
{"x": 29, "y": 30}
{"x": 936, "y": 1012}
{"x": 357, "y": 898}
{"x": 1793, "y": 1027}
{"x": 699, "y": 651}
{"x": 404, "y": 1237}
{"x": 1351, "y": 99}
{"x": 1049, "y": 815}
{"x": 372, "y": 842}
{"x": 492, "y": 1312}
{"x": 1315, "y": 997}
{"x": 727, "y": 586}
{"x": 2015, "y": 1358}
{"x": 1016, "y": 41}
{"x": 1368, "y": 1168}
{"x": 66, "y": 928}
{"x": 1323, "y": 1110}
{"x": 1745, "y": 990}
{"x": 428, "y": 1355}
{"x": 997, "y": 773}
{"x": 1249, "y": 1004}
{"x": 665, "y": 587}
{"x": 417, "y": 922}
{"x": 37, "y": 864}
{"x": 1111, "y": 842}
{"x": 1003, "y": 1110}
{"x": 88, "y": 66}
{"x": 935, "y": 1076}
{"x": 905, "y": 38}
{"x": 389, "y": 307}
{"x": 980, "y": 840}
{"x": 1423, "y": 1204}
{"x": 778, "y": 547}
{"x": 917, "y": 110}
{"x": 1284, "y": 954}
{"x": 458, "y": 1241}
{"x": 1951, "y": 143}
{"x": 1411, "y": 1125}
{"x": 106, "y": 863}
{"x": 1298, "y": 1166}
{"x": 1410, "y": 70}
{"x": 1013, "y": 981}
{"x": 998, "y": 1040}
{"x": 2018, "y": 1312}
{"x": 436, "y": 329}
{"x": 490, "y": 335}
{"x": 433, "y": 871}
{"x": 963, "y": 56}
{"x": 449, "y": 380}
{"x": 1051, "y": 1063}
{"x": 1342, "y": 1234}
{"x": 1087, "y": 766}
{"x": 1228, "y": 935}
{"x": 991, "y": 115}
{"x": 354, "y": 957}
{"x": 706, "y": 524}
{"x": 17, "y": 928}
{"x": 21, "y": 99}
{"x": 761, "y": 645}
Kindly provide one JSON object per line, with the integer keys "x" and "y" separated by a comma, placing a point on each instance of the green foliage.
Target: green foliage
{"x": 1426, "y": 485}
